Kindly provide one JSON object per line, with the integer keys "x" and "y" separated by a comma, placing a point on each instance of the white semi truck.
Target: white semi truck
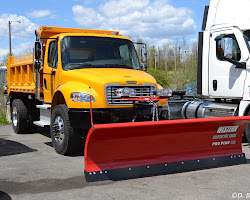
{"x": 223, "y": 62}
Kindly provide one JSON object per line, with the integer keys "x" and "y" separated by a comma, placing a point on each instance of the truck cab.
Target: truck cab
{"x": 219, "y": 77}
{"x": 82, "y": 61}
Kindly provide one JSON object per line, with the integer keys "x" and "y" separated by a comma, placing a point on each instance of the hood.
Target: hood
{"x": 109, "y": 75}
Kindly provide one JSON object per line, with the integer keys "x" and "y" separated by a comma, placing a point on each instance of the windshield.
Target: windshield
{"x": 247, "y": 37}
{"x": 98, "y": 52}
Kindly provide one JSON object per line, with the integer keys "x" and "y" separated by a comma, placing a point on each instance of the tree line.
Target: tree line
{"x": 174, "y": 64}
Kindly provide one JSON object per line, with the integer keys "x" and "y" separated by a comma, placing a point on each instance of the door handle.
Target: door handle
{"x": 45, "y": 83}
{"x": 215, "y": 85}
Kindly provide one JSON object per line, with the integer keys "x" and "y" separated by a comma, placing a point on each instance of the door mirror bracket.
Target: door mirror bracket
{"x": 239, "y": 65}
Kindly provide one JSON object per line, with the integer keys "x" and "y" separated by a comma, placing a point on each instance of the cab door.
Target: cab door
{"x": 51, "y": 75}
{"x": 225, "y": 80}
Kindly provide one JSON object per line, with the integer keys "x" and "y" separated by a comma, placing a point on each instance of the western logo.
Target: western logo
{"x": 227, "y": 129}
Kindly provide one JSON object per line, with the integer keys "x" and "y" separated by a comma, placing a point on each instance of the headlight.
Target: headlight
{"x": 81, "y": 97}
{"x": 125, "y": 92}
{"x": 165, "y": 92}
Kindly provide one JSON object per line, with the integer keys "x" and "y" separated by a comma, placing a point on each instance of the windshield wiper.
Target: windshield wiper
{"x": 119, "y": 65}
{"x": 81, "y": 65}
{"x": 87, "y": 64}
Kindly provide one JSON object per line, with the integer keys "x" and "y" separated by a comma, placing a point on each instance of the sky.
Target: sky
{"x": 155, "y": 21}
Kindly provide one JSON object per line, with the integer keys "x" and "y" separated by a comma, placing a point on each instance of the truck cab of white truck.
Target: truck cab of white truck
{"x": 219, "y": 77}
{"x": 223, "y": 62}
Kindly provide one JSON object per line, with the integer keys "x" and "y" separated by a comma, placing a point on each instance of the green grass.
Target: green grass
{"x": 3, "y": 119}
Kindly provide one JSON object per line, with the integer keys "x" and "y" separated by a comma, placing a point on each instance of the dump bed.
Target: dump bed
{"x": 20, "y": 74}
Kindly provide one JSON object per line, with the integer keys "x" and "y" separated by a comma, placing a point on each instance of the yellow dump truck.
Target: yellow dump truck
{"x": 52, "y": 86}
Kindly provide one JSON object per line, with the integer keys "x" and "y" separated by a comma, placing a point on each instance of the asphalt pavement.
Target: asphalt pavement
{"x": 31, "y": 169}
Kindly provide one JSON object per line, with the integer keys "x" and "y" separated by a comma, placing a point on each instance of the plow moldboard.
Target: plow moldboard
{"x": 136, "y": 149}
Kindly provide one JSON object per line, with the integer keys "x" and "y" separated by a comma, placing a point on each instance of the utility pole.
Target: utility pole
{"x": 10, "y": 34}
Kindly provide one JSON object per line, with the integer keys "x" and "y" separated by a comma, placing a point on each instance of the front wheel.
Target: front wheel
{"x": 247, "y": 130}
{"x": 62, "y": 133}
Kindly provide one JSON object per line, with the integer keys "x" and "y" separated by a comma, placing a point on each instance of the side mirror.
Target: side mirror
{"x": 227, "y": 48}
{"x": 38, "y": 49}
{"x": 227, "y": 53}
{"x": 144, "y": 57}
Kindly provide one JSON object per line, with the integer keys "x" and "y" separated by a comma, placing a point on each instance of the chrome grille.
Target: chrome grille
{"x": 145, "y": 90}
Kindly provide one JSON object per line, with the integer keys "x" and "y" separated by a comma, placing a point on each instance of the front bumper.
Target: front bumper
{"x": 80, "y": 119}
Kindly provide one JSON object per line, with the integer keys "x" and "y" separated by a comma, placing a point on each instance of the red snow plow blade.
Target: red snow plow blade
{"x": 129, "y": 150}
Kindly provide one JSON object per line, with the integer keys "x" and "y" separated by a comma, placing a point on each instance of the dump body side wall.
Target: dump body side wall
{"x": 20, "y": 74}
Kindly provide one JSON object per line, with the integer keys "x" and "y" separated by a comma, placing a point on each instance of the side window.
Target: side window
{"x": 53, "y": 54}
{"x": 236, "y": 49}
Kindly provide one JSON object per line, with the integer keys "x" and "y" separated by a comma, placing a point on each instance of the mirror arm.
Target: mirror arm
{"x": 52, "y": 73}
{"x": 37, "y": 35}
{"x": 239, "y": 65}
{"x": 219, "y": 37}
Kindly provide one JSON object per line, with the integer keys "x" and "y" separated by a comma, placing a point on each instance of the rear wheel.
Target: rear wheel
{"x": 20, "y": 117}
{"x": 63, "y": 138}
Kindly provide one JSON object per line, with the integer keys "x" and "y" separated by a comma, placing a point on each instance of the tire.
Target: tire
{"x": 20, "y": 117}
{"x": 247, "y": 130}
{"x": 62, "y": 134}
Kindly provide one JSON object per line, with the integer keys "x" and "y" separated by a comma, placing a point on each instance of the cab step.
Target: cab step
{"x": 44, "y": 115}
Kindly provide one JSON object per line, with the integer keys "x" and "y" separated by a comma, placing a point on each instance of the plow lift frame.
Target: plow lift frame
{"x": 138, "y": 149}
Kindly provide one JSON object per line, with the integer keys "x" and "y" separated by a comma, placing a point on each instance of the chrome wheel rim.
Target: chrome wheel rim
{"x": 14, "y": 116}
{"x": 58, "y": 130}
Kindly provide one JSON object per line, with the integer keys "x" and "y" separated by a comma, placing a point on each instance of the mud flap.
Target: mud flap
{"x": 130, "y": 150}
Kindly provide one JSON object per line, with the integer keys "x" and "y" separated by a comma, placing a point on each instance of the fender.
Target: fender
{"x": 74, "y": 86}
{"x": 244, "y": 105}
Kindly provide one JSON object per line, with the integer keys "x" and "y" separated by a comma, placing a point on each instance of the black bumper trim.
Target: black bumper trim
{"x": 81, "y": 118}
{"x": 165, "y": 168}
